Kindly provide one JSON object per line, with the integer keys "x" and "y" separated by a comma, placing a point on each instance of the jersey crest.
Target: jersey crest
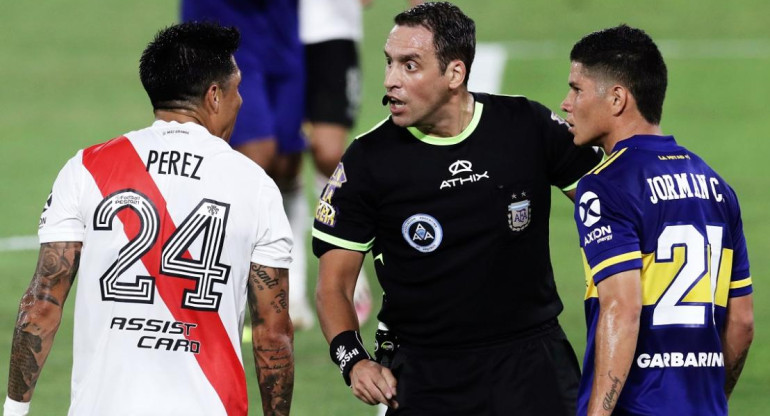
{"x": 422, "y": 232}
{"x": 519, "y": 215}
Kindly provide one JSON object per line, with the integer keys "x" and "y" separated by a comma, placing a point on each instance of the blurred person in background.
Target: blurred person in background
{"x": 268, "y": 130}
{"x": 331, "y": 31}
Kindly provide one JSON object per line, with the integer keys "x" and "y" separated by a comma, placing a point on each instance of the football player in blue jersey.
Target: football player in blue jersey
{"x": 668, "y": 302}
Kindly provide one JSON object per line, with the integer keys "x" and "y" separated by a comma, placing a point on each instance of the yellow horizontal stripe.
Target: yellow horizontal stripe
{"x": 615, "y": 260}
{"x": 740, "y": 283}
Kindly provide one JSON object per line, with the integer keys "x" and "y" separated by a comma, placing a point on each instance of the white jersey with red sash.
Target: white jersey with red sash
{"x": 170, "y": 218}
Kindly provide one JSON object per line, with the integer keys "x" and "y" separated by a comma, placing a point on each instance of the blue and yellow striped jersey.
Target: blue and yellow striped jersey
{"x": 655, "y": 206}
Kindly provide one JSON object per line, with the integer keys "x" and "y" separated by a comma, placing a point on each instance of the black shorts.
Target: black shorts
{"x": 538, "y": 375}
{"x": 333, "y": 82}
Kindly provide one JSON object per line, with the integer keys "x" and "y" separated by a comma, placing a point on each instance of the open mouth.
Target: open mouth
{"x": 395, "y": 102}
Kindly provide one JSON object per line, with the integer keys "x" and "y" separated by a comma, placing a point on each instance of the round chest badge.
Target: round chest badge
{"x": 422, "y": 232}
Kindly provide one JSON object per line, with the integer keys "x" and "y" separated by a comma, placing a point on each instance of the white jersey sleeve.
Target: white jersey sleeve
{"x": 274, "y": 237}
{"x": 62, "y": 219}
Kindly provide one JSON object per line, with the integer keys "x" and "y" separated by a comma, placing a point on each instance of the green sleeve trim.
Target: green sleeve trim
{"x": 348, "y": 245}
{"x": 570, "y": 187}
{"x": 447, "y": 141}
{"x": 373, "y": 128}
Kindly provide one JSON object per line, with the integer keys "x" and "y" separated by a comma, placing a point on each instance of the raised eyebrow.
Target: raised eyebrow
{"x": 409, "y": 57}
{"x": 404, "y": 58}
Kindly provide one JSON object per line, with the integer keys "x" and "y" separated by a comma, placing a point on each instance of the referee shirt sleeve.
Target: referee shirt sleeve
{"x": 606, "y": 228}
{"x": 344, "y": 216}
{"x": 566, "y": 163}
{"x": 62, "y": 218}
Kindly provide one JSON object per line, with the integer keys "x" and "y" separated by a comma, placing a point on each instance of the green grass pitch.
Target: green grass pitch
{"x": 69, "y": 72}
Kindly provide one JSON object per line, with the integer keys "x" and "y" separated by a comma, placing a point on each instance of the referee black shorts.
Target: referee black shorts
{"x": 333, "y": 82}
{"x": 537, "y": 375}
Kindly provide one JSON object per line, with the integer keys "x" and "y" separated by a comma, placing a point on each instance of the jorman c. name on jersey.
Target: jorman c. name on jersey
{"x": 170, "y": 218}
{"x": 457, "y": 226}
{"x": 655, "y": 206}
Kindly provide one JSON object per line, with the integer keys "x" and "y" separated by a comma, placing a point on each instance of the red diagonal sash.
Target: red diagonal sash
{"x": 115, "y": 165}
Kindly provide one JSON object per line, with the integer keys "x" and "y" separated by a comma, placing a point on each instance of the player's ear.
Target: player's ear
{"x": 456, "y": 72}
{"x": 213, "y": 97}
{"x": 619, "y": 96}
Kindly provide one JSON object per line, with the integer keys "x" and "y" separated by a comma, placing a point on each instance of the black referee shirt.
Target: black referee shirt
{"x": 458, "y": 227}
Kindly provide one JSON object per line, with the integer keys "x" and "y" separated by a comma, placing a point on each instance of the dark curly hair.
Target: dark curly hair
{"x": 629, "y": 56}
{"x": 183, "y": 60}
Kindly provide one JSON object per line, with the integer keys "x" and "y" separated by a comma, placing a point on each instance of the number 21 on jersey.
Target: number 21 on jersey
{"x": 686, "y": 270}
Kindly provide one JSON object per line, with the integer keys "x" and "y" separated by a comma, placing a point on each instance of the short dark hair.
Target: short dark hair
{"x": 183, "y": 60}
{"x": 454, "y": 33}
{"x": 629, "y": 56}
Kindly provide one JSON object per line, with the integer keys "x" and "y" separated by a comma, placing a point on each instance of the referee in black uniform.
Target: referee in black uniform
{"x": 451, "y": 194}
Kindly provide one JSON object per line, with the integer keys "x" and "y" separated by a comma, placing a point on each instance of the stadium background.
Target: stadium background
{"x": 69, "y": 75}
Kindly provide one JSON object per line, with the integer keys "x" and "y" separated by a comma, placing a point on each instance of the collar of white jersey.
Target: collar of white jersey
{"x": 447, "y": 141}
{"x": 175, "y": 125}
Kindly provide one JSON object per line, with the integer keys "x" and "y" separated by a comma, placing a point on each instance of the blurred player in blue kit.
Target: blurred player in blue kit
{"x": 268, "y": 131}
{"x": 668, "y": 301}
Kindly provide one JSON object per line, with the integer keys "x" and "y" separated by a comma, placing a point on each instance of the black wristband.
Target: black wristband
{"x": 346, "y": 349}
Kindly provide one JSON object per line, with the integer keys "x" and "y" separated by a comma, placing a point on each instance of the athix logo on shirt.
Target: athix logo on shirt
{"x": 462, "y": 166}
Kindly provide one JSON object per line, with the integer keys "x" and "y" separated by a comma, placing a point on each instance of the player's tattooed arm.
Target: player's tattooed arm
{"x": 736, "y": 338}
{"x": 617, "y": 330}
{"x": 40, "y": 312}
{"x": 272, "y": 337}
{"x": 611, "y": 396}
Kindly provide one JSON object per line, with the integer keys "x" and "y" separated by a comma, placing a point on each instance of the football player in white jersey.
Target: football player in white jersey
{"x": 172, "y": 232}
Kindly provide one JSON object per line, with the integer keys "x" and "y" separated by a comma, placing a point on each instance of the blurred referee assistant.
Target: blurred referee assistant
{"x": 451, "y": 194}
{"x": 172, "y": 231}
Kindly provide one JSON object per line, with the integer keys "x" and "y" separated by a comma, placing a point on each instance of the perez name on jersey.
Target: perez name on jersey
{"x": 174, "y": 163}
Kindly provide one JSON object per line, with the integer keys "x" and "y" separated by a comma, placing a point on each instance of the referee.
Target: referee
{"x": 451, "y": 194}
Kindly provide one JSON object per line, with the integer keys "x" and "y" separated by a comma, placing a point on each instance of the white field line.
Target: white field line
{"x": 19, "y": 243}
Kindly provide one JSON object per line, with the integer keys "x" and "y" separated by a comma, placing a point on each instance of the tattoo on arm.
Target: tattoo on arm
{"x": 276, "y": 378}
{"x": 733, "y": 372}
{"x": 261, "y": 278}
{"x": 271, "y": 325}
{"x": 280, "y": 302}
{"x": 611, "y": 397}
{"x": 40, "y": 314}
